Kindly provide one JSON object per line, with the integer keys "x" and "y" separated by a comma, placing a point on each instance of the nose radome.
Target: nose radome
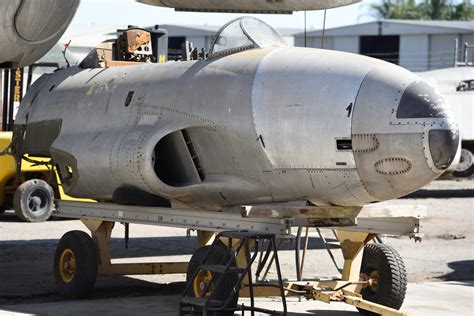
{"x": 403, "y": 133}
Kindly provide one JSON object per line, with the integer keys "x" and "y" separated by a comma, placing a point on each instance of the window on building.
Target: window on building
{"x": 382, "y": 47}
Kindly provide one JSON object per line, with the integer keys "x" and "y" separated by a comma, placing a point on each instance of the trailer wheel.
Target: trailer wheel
{"x": 383, "y": 267}
{"x": 33, "y": 201}
{"x": 465, "y": 167}
{"x": 219, "y": 255}
{"x": 75, "y": 264}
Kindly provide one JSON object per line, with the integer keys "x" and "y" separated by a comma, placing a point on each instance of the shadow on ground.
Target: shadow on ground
{"x": 10, "y": 217}
{"x": 463, "y": 272}
{"x": 137, "y": 247}
{"x": 116, "y": 287}
{"x": 440, "y": 194}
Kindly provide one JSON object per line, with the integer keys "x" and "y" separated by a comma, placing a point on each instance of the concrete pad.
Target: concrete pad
{"x": 423, "y": 299}
{"x": 446, "y": 255}
{"x": 440, "y": 298}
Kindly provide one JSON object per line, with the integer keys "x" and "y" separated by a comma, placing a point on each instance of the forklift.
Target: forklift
{"x": 28, "y": 191}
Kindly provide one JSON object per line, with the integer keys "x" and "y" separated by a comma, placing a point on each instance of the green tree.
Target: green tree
{"x": 462, "y": 11}
{"x": 424, "y": 10}
{"x": 434, "y": 10}
{"x": 399, "y": 9}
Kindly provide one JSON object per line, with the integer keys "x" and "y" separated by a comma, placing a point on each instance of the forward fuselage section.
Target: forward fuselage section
{"x": 265, "y": 125}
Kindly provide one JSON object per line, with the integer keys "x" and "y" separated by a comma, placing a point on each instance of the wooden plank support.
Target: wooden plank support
{"x": 288, "y": 211}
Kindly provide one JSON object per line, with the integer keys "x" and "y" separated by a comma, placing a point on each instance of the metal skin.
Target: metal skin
{"x": 29, "y": 28}
{"x": 259, "y": 126}
{"x": 249, "y": 6}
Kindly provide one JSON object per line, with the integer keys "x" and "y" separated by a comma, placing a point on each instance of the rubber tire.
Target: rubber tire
{"x": 468, "y": 172}
{"x": 392, "y": 275}
{"x": 85, "y": 252}
{"x": 219, "y": 255}
{"x": 21, "y": 204}
{"x": 2, "y": 210}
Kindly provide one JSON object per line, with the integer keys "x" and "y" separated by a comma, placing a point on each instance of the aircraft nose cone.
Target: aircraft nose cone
{"x": 404, "y": 134}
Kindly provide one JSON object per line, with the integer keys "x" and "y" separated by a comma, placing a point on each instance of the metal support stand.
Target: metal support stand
{"x": 374, "y": 219}
{"x": 101, "y": 233}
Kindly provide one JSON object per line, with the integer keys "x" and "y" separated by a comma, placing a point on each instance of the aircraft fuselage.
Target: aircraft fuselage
{"x": 259, "y": 126}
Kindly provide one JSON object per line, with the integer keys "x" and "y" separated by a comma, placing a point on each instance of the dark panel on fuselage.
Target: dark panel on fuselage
{"x": 39, "y": 136}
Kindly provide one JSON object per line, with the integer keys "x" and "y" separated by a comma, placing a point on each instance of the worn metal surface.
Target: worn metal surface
{"x": 399, "y": 226}
{"x": 259, "y": 126}
{"x": 282, "y": 114}
{"x": 30, "y": 28}
{"x": 402, "y": 157}
{"x": 249, "y": 6}
{"x": 402, "y": 220}
{"x": 183, "y": 218}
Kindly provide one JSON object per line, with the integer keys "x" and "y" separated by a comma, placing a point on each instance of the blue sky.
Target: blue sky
{"x": 119, "y": 13}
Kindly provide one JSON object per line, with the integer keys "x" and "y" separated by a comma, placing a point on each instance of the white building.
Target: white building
{"x": 201, "y": 35}
{"x": 413, "y": 44}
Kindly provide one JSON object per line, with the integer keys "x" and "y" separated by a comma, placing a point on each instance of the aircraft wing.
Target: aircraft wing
{"x": 249, "y": 6}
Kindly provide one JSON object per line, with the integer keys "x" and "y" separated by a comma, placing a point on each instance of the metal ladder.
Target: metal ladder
{"x": 207, "y": 303}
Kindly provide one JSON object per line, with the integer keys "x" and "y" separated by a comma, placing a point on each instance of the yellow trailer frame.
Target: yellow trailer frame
{"x": 100, "y": 219}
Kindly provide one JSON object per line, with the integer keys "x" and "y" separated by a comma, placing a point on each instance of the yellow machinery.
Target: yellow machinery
{"x": 32, "y": 197}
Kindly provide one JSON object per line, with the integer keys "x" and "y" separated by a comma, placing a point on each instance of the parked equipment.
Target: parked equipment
{"x": 31, "y": 196}
{"x": 373, "y": 277}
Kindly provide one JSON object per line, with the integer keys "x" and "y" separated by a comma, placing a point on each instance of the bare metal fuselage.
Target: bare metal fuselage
{"x": 260, "y": 126}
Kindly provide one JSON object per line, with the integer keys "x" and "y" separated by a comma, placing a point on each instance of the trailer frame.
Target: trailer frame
{"x": 354, "y": 227}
